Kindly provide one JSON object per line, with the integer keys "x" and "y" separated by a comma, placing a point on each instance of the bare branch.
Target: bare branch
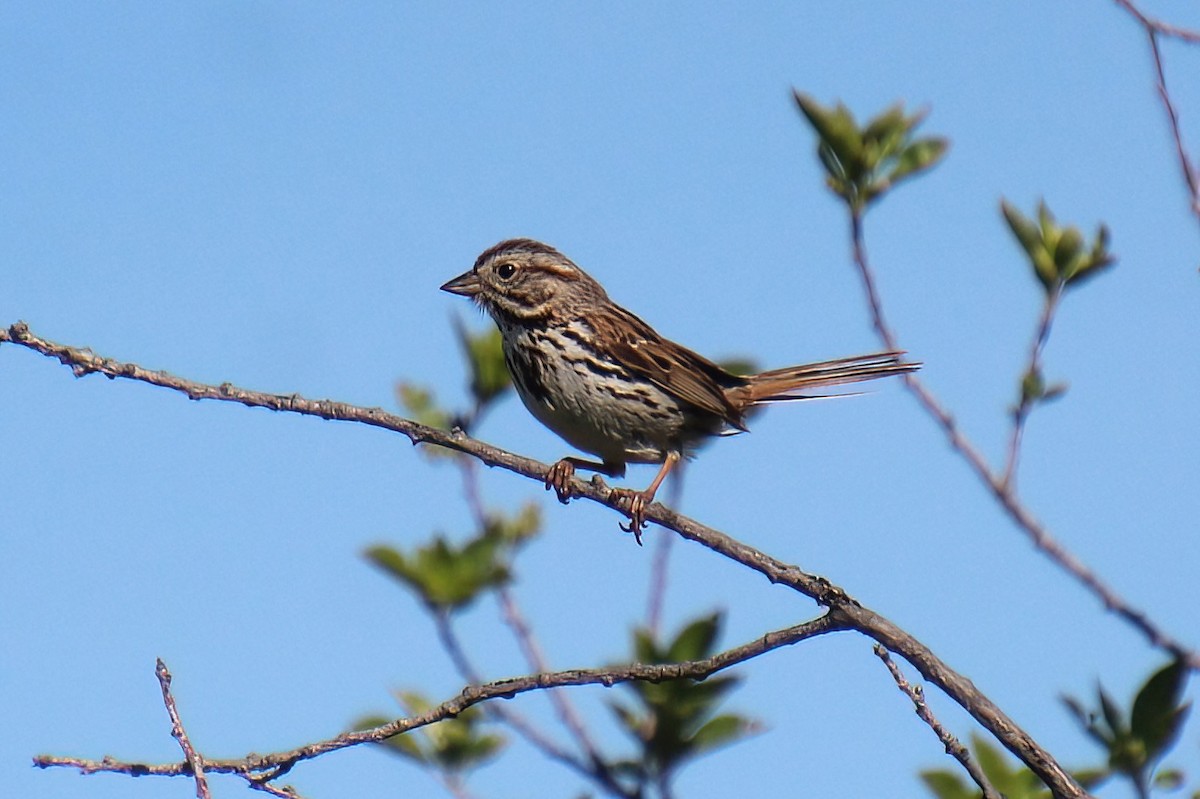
{"x": 194, "y": 761}
{"x": 260, "y": 769}
{"x": 1159, "y": 26}
{"x": 844, "y": 611}
{"x": 1154, "y": 29}
{"x": 1005, "y": 494}
{"x": 954, "y": 747}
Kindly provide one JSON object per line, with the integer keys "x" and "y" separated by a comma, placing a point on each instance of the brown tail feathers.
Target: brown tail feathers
{"x": 790, "y": 382}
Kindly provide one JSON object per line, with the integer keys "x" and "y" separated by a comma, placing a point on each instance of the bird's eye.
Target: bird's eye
{"x": 506, "y": 271}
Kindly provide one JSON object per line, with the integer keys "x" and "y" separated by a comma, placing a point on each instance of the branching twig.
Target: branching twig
{"x": 954, "y": 747}
{"x": 262, "y": 768}
{"x": 1166, "y": 29}
{"x": 1025, "y": 404}
{"x": 1004, "y": 494}
{"x": 1154, "y": 29}
{"x": 194, "y": 761}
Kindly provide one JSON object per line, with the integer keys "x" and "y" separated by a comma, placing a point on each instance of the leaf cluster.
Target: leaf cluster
{"x": 863, "y": 163}
{"x": 1134, "y": 743}
{"x": 1058, "y": 254}
{"x": 675, "y": 721}
{"x": 448, "y": 576}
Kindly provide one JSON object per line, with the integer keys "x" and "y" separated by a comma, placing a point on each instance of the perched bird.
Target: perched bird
{"x": 608, "y": 384}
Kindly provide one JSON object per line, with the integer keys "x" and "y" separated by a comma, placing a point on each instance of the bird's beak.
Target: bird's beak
{"x": 467, "y": 284}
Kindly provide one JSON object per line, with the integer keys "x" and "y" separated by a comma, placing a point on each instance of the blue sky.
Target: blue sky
{"x": 270, "y": 194}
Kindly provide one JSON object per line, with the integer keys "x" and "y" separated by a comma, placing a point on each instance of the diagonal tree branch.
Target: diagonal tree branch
{"x": 1000, "y": 487}
{"x": 844, "y": 611}
{"x": 261, "y": 769}
{"x": 954, "y": 747}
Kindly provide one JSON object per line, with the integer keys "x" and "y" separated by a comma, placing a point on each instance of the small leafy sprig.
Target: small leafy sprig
{"x": 863, "y": 164}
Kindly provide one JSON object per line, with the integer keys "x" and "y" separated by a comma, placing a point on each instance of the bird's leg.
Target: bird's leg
{"x": 638, "y": 500}
{"x": 560, "y": 474}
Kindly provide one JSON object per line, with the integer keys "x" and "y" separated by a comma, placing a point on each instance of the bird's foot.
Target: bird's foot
{"x": 559, "y": 478}
{"x": 638, "y": 502}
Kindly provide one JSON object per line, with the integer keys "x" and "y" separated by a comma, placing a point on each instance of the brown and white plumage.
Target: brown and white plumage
{"x": 610, "y": 385}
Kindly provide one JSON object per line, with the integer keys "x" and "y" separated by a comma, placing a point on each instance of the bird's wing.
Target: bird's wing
{"x": 675, "y": 369}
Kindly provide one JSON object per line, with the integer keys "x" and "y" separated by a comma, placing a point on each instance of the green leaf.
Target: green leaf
{"x": 921, "y": 155}
{"x": 449, "y": 576}
{"x": 696, "y": 640}
{"x": 990, "y": 760}
{"x": 1112, "y": 713}
{"x": 645, "y": 650}
{"x": 945, "y": 784}
{"x": 633, "y": 723}
{"x": 835, "y": 128}
{"x": 888, "y": 126}
{"x": 451, "y": 745}
{"x": 862, "y": 165}
{"x": 443, "y": 576}
{"x": 419, "y": 403}
{"x": 404, "y": 744}
{"x": 1068, "y": 252}
{"x": 1013, "y": 780}
{"x": 1057, "y": 253}
{"x": 1087, "y": 720}
{"x": 485, "y": 358}
{"x": 1049, "y": 230}
{"x": 719, "y": 731}
{"x": 675, "y": 719}
{"x": 1031, "y": 239}
{"x": 514, "y": 530}
{"x": 1097, "y": 260}
{"x": 1157, "y": 714}
{"x": 1170, "y": 779}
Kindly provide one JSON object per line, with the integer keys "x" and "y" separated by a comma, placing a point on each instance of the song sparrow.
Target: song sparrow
{"x": 604, "y": 381}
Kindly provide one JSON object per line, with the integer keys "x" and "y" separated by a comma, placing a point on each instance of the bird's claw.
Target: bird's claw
{"x": 559, "y": 478}
{"x": 638, "y": 500}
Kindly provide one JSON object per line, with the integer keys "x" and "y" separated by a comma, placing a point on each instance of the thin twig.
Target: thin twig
{"x": 1166, "y": 29}
{"x": 258, "y": 784}
{"x": 954, "y": 747}
{"x": 563, "y": 707}
{"x": 1026, "y": 402}
{"x": 660, "y": 562}
{"x": 595, "y": 767}
{"x": 464, "y": 667}
{"x": 1155, "y": 28}
{"x": 1007, "y": 498}
{"x": 280, "y": 763}
{"x": 194, "y": 761}
{"x": 846, "y": 612}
